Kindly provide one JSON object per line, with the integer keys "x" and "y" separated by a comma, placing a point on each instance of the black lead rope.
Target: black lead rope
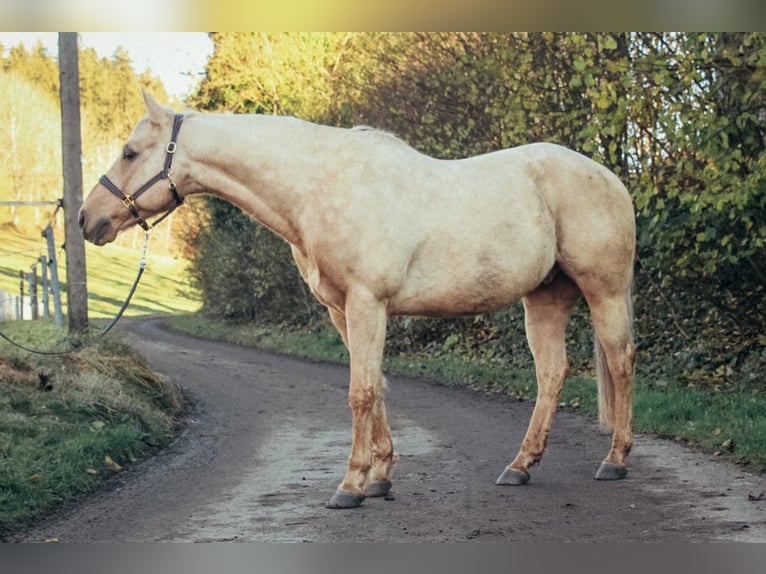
{"x": 105, "y": 330}
{"x": 141, "y": 267}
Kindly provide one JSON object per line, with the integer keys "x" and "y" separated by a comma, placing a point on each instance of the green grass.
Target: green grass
{"x": 62, "y": 416}
{"x": 731, "y": 424}
{"x": 111, "y": 271}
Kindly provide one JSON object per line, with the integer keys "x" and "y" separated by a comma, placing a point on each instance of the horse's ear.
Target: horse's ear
{"x": 155, "y": 111}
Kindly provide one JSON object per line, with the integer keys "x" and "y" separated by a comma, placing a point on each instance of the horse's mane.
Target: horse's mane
{"x": 376, "y": 132}
{"x": 368, "y": 131}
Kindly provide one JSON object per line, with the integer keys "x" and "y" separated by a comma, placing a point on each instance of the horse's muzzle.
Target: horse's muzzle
{"x": 98, "y": 232}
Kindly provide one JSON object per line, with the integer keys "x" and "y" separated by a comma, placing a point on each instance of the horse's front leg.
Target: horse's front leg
{"x": 383, "y": 456}
{"x": 371, "y": 440}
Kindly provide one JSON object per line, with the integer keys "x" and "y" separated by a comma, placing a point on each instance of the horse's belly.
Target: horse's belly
{"x": 478, "y": 268}
{"x": 461, "y": 286}
{"x": 452, "y": 304}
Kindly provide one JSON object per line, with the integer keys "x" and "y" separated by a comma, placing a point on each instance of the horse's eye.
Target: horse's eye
{"x": 128, "y": 154}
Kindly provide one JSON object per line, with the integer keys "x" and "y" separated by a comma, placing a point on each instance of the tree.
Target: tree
{"x": 274, "y": 73}
{"x": 30, "y": 132}
{"x": 36, "y": 66}
{"x": 30, "y": 140}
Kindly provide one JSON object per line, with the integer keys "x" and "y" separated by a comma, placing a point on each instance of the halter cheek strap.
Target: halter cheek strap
{"x": 129, "y": 201}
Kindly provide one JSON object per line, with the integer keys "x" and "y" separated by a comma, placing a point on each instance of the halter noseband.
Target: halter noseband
{"x": 129, "y": 201}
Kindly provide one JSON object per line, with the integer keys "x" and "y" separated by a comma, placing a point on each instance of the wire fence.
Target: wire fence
{"x": 17, "y": 307}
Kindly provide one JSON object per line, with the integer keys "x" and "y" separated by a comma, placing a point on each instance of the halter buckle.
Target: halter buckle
{"x": 171, "y": 147}
{"x": 129, "y": 203}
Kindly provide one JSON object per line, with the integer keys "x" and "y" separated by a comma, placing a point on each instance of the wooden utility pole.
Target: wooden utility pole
{"x": 71, "y": 153}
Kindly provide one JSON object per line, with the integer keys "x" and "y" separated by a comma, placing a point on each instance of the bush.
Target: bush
{"x": 246, "y": 272}
{"x": 680, "y": 118}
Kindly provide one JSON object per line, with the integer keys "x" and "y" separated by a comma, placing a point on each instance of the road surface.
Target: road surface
{"x": 264, "y": 441}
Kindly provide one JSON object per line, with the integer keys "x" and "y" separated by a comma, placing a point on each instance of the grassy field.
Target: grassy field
{"x": 111, "y": 271}
{"x": 730, "y": 424}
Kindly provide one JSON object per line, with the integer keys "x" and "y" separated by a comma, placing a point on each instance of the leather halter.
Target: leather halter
{"x": 129, "y": 201}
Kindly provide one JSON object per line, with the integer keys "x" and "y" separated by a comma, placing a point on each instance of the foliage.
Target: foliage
{"x": 242, "y": 270}
{"x": 30, "y": 142}
{"x": 680, "y": 117}
{"x": 30, "y": 122}
{"x": 274, "y": 73}
{"x": 703, "y": 116}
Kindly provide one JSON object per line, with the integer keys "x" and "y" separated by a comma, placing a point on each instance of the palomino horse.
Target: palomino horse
{"x": 378, "y": 229}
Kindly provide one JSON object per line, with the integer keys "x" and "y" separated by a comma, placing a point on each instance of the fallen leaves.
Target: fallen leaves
{"x": 111, "y": 464}
{"x": 726, "y": 446}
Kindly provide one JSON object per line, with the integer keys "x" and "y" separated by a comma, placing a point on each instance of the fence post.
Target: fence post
{"x": 33, "y": 293}
{"x": 44, "y": 281}
{"x": 55, "y": 286}
{"x": 20, "y": 308}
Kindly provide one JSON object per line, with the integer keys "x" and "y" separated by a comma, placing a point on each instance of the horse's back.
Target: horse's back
{"x": 453, "y": 237}
{"x": 505, "y": 219}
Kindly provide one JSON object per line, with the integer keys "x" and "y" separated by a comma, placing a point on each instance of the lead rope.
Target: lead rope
{"x": 112, "y": 323}
{"x": 141, "y": 267}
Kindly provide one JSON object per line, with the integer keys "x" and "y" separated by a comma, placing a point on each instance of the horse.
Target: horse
{"x": 378, "y": 229}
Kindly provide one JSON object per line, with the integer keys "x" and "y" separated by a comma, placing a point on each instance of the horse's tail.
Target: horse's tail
{"x": 604, "y": 377}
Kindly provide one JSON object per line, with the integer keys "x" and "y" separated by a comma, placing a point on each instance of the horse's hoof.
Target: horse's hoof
{"x": 377, "y": 489}
{"x": 610, "y": 471}
{"x": 345, "y": 499}
{"x": 513, "y": 477}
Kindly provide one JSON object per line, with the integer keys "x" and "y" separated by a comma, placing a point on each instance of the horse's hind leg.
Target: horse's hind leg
{"x": 547, "y": 311}
{"x": 615, "y": 356}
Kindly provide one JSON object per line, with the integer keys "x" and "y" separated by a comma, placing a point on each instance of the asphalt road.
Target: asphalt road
{"x": 265, "y": 438}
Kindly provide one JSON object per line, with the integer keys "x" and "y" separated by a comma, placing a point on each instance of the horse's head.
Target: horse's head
{"x": 140, "y": 184}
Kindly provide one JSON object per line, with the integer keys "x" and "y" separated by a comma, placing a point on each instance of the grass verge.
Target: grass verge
{"x": 69, "y": 422}
{"x": 730, "y": 423}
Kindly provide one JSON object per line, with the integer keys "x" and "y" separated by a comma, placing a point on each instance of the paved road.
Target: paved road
{"x": 265, "y": 440}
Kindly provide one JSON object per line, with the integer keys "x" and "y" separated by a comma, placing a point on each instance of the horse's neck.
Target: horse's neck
{"x": 262, "y": 164}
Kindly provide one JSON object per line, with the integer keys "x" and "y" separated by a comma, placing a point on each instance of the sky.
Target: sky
{"x": 177, "y": 58}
